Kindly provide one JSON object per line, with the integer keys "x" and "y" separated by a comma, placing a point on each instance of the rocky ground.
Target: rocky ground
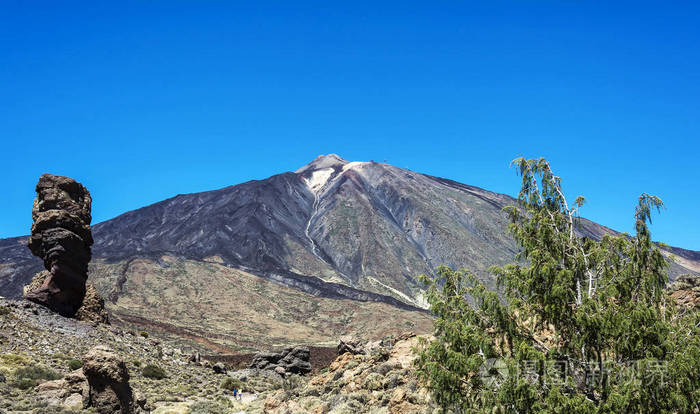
{"x": 41, "y": 354}
{"x": 40, "y": 349}
{"x": 686, "y": 291}
{"x": 379, "y": 379}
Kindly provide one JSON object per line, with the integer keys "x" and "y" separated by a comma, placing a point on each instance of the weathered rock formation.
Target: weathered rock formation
{"x": 93, "y": 308}
{"x": 108, "y": 379}
{"x": 219, "y": 368}
{"x": 359, "y": 383}
{"x": 686, "y": 291}
{"x": 292, "y": 360}
{"x": 355, "y": 346}
{"x": 350, "y": 344}
{"x": 61, "y": 237}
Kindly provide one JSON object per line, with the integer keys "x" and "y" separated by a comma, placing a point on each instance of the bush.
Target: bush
{"x": 393, "y": 381}
{"x": 28, "y": 377}
{"x": 230, "y": 384}
{"x": 292, "y": 383}
{"x": 153, "y": 371}
{"x": 385, "y": 368}
{"x": 36, "y": 372}
{"x": 24, "y": 383}
{"x": 74, "y": 364}
{"x": 144, "y": 334}
{"x": 373, "y": 382}
{"x": 380, "y": 354}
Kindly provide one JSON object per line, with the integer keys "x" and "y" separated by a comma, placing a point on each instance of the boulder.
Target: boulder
{"x": 291, "y": 360}
{"x": 61, "y": 237}
{"x": 74, "y": 402}
{"x": 296, "y": 360}
{"x": 108, "y": 379}
{"x": 68, "y": 391}
{"x": 219, "y": 368}
{"x": 350, "y": 344}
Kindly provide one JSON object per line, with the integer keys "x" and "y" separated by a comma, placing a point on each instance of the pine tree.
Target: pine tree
{"x": 578, "y": 325}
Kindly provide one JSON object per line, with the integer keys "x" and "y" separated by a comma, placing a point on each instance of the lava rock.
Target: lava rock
{"x": 291, "y": 360}
{"x": 61, "y": 237}
{"x": 219, "y": 368}
{"x": 195, "y": 358}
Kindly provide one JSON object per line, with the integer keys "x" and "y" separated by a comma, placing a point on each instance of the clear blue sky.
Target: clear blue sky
{"x": 147, "y": 99}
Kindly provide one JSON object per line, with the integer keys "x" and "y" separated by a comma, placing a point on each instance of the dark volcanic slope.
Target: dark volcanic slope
{"x": 360, "y": 226}
{"x": 17, "y": 266}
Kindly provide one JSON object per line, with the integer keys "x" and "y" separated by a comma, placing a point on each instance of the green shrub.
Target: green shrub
{"x": 230, "y": 384}
{"x": 292, "y": 383}
{"x": 373, "y": 382}
{"x": 74, "y": 364}
{"x": 4, "y": 310}
{"x": 30, "y": 376}
{"x": 153, "y": 371}
{"x": 385, "y": 368}
{"x": 60, "y": 356}
{"x": 380, "y": 354}
{"x": 144, "y": 334}
{"x": 24, "y": 383}
{"x": 36, "y": 372}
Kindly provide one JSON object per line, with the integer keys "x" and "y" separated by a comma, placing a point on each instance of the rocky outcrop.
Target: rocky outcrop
{"x": 108, "y": 379}
{"x": 350, "y": 344}
{"x": 383, "y": 382}
{"x": 355, "y": 346}
{"x": 292, "y": 360}
{"x": 68, "y": 392}
{"x": 686, "y": 291}
{"x": 61, "y": 237}
{"x": 93, "y": 307}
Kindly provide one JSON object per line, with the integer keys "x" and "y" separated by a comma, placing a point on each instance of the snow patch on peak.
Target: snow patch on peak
{"x": 354, "y": 165}
{"x": 318, "y": 179}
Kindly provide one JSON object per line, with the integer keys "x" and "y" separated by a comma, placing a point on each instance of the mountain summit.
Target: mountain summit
{"x": 322, "y": 162}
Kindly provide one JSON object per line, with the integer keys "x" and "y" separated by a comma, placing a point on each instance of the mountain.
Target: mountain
{"x": 339, "y": 230}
